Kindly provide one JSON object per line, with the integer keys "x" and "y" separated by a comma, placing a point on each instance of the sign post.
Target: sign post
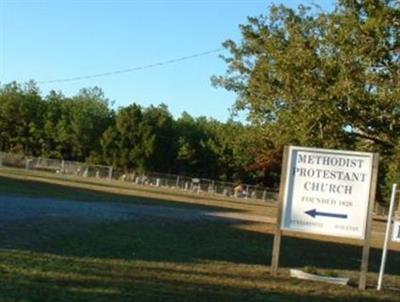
{"x": 368, "y": 230}
{"x": 278, "y": 232}
{"x": 387, "y": 236}
{"x": 327, "y": 192}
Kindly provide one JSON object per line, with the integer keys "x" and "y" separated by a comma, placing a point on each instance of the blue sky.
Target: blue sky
{"x": 49, "y": 40}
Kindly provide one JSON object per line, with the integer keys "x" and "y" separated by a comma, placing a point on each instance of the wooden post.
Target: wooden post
{"x": 278, "y": 233}
{"x": 368, "y": 228}
{"x": 387, "y": 237}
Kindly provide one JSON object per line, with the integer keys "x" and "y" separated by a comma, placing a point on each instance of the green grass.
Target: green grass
{"x": 54, "y": 259}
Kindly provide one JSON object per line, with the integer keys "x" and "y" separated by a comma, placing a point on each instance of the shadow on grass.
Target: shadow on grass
{"x": 154, "y": 260}
{"x": 183, "y": 242}
{"x": 150, "y": 291}
{"x": 43, "y": 277}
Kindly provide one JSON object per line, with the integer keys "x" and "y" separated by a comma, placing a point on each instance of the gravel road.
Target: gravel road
{"x": 23, "y": 209}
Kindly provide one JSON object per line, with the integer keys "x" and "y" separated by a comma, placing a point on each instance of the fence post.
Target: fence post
{"x": 110, "y": 173}
{"x": 177, "y": 182}
{"x": 28, "y": 162}
{"x": 62, "y": 166}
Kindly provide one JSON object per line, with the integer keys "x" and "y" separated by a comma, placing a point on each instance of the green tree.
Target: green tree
{"x": 74, "y": 125}
{"x": 52, "y": 146}
{"x": 21, "y": 118}
{"x": 141, "y": 138}
{"x": 159, "y": 135}
{"x": 123, "y": 140}
{"x": 90, "y": 117}
{"x": 195, "y": 147}
{"x": 321, "y": 79}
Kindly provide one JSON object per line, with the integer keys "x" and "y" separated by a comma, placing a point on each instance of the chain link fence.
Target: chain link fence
{"x": 153, "y": 179}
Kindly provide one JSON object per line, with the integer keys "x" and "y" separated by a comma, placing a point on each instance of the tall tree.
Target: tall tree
{"x": 74, "y": 125}
{"x": 160, "y": 137}
{"x": 195, "y": 147}
{"x": 21, "y": 118}
{"x": 321, "y": 79}
{"x": 141, "y": 138}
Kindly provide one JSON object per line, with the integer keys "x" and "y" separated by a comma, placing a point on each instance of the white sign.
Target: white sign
{"x": 327, "y": 192}
{"x": 396, "y": 231}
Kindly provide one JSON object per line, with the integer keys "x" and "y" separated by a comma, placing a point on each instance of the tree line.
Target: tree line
{"x": 84, "y": 127}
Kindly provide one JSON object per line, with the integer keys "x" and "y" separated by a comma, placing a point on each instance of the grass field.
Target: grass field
{"x": 157, "y": 257}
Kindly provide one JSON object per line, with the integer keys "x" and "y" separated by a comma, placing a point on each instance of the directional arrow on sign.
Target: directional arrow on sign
{"x": 313, "y": 213}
